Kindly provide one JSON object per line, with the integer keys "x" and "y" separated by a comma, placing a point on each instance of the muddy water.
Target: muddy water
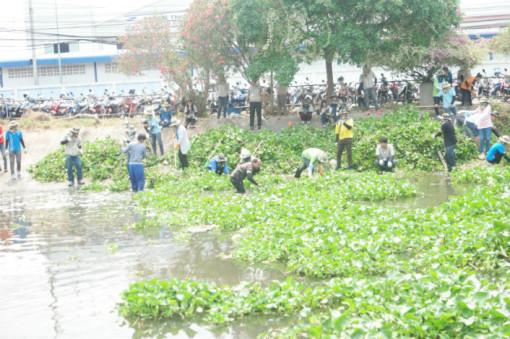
{"x": 65, "y": 257}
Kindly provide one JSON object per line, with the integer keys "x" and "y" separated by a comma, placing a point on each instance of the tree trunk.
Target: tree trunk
{"x": 271, "y": 94}
{"x": 329, "y": 74}
{"x": 426, "y": 94}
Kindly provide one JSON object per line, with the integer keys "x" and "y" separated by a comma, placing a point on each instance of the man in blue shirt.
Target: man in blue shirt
{"x": 219, "y": 165}
{"x": 13, "y": 142}
{"x": 498, "y": 150}
{"x": 155, "y": 131}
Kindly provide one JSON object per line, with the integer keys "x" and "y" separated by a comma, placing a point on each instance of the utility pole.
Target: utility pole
{"x": 34, "y": 58}
{"x": 58, "y": 45}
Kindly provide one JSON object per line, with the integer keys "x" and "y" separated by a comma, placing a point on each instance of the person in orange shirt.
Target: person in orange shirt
{"x": 467, "y": 87}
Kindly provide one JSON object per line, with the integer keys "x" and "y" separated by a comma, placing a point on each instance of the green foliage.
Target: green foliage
{"x": 408, "y": 131}
{"x": 436, "y": 272}
{"x": 102, "y": 161}
{"x": 279, "y": 196}
{"x": 156, "y": 299}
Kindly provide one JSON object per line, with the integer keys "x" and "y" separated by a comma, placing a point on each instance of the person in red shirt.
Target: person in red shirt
{"x": 2, "y": 148}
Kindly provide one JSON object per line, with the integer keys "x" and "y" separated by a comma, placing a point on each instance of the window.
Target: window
{"x": 73, "y": 69}
{"x": 48, "y": 49}
{"x": 111, "y": 67}
{"x": 20, "y": 72}
{"x": 64, "y": 48}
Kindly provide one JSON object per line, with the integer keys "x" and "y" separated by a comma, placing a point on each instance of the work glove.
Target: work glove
{"x": 25, "y": 151}
{"x": 381, "y": 162}
{"x": 390, "y": 164}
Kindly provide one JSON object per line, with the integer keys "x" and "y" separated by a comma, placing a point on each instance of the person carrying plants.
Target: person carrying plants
{"x": 246, "y": 170}
{"x": 311, "y": 157}
{"x": 385, "y": 155}
{"x": 498, "y": 150}
{"x": 72, "y": 145}
{"x": 450, "y": 140}
{"x": 136, "y": 151}
{"x": 155, "y": 132}
{"x": 2, "y": 148}
{"x": 218, "y": 165}
{"x": 13, "y": 143}
{"x": 343, "y": 131}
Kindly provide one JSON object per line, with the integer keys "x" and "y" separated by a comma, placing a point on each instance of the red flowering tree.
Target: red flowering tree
{"x": 150, "y": 43}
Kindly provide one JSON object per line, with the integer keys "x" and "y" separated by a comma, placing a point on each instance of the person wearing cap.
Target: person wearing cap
{"x": 13, "y": 143}
{"x": 498, "y": 150}
{"x": 343, "y": 132}
{"x": 137, "y": 152}
{"x": 448, "y": 94}
{"x": 385, "y": 156}
{"x": 155, "y": 133}
{"x": 484, "y": 126}
{"x": 245, "y": 156}
{"x": 183, "y": 144}
{"x": 311, "y": 157}
{"x": 165, "y": 114}
{"x": 246, "y": 170}
{"x": 450, "y": 140}
{"x": 72, "y": 145}
{"x": 218, "y": 165}
{"x": 2, "y": 148}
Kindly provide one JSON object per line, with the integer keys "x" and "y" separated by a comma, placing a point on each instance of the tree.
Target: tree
{"x": 422, "y": 62}
{"x": 357, "y": 31}
{"x": 501, "y": 43}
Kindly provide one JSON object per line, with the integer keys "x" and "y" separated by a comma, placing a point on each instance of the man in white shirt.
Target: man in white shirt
{"x": 368, "y": 79}
{"x": 222, "y": 95}
{"x": 385, "y": 155}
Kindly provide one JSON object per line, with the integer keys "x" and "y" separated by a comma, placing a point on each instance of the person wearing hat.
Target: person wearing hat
{"x": 246, "y": 170}
{"x": 311, "y": 157}
{"x": 385, "y": 155}
{"x": 137, "y": 152}
{"x": 72, "y": 145}
{"x": 450, "y": 140}
{"x": 448, "y": 94}
{"x": 155, "y": 132}
{"x": 218, "y": 165}
{"x": 484, "y": 126}
{"x": 13, "y": 143}
{"x": 343, "y": 132}
{"x": 498, "y": 150}
{"x": 165, "y": 114}
{"x": 2, "y": 148}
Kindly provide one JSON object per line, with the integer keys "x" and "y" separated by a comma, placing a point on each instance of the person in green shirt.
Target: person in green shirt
{"x": 435, "y": 92}
{"x": 311, "y": 157}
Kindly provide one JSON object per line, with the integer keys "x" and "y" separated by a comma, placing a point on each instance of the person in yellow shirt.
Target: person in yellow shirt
{"x": 343, "y": 131}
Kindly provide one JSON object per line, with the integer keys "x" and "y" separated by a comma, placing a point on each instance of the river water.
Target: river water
{"x": 66, "y": 255}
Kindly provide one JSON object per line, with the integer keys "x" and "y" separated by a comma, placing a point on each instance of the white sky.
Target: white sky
{"x": 71, "y": 12}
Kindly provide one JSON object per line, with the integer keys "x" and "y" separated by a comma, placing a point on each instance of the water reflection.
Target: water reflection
{"x": 67, "y": 254}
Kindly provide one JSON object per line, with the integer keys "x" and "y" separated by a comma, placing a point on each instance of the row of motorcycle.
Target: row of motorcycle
{"x": 122, "y": 105}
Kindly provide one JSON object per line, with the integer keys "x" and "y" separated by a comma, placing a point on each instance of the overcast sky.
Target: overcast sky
{"x": 12, "y": 16}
